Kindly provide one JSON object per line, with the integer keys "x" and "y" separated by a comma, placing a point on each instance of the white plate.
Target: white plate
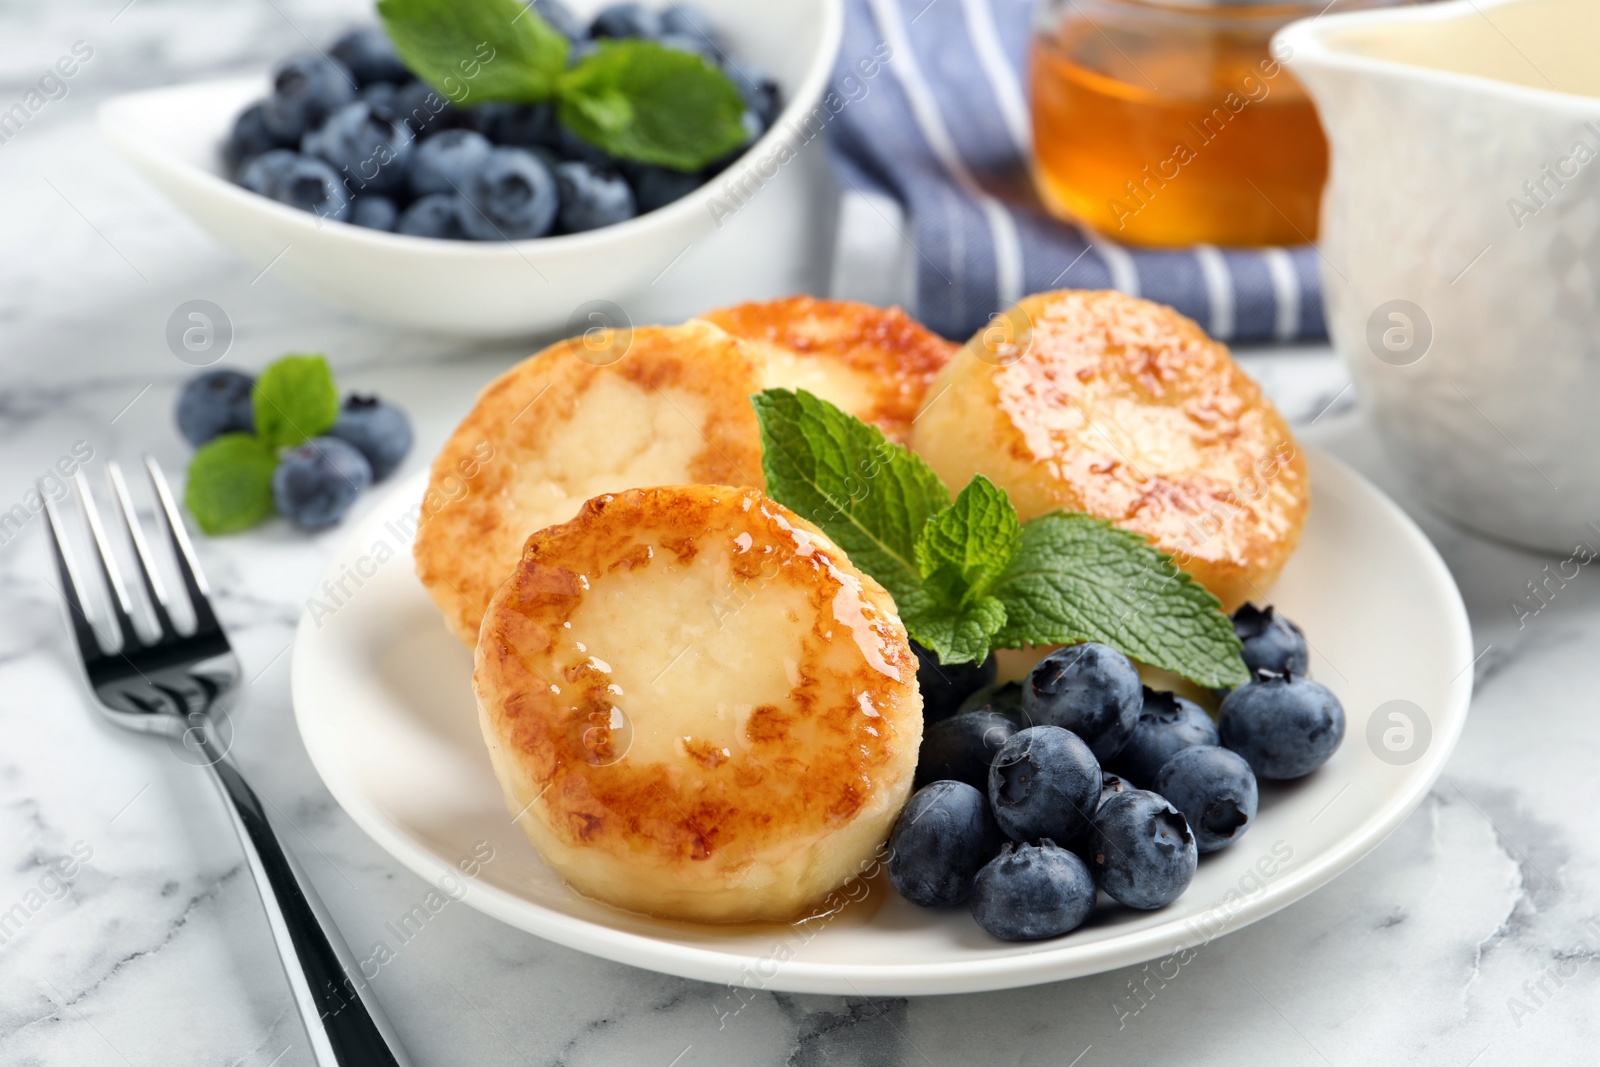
{"x": 383, "y": 699}
{"x": 758, "y": 230}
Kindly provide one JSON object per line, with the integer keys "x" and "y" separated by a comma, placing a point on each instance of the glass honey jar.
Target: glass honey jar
{"x": 1171, "y": 122}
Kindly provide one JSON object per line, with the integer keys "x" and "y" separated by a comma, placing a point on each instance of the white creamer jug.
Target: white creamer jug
{"x": 1460, "y": 248}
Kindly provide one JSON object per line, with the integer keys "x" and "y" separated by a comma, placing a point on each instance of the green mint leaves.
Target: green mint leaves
{"x": 230, "y": 478}
{"x": 294, "y": 400}
{"x": 635, "y": 99}
{"x": 230, "y": 483}
{"x": 969, "y": 576}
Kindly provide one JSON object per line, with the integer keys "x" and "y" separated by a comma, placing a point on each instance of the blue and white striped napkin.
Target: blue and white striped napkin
{"x": 941, "y": 127}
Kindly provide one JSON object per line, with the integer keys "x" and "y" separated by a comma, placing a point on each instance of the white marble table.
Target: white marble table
{"x": 1468, "y": 937}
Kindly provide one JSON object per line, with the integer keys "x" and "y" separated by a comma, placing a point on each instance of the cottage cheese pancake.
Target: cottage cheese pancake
{"x": 1107, "y": 404}
{"x": 873, "y": 362}
{"x": 697, "y": 707}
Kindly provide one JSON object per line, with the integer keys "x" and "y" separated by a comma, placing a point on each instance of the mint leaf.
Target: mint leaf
{"x": 230, "y": 483}
{"x": 640, "y": 100}
{"x": 960, "y": 635}
{"x": 294, "y": 400}
{"x": 477, "y": 49}
{"x": 1077, "y": 578}
{"x": 872, "y": 497}
{"x": 964, "y": 548}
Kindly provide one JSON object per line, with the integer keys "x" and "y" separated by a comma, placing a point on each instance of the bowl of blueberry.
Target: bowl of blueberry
{"x": 509, "y": 167}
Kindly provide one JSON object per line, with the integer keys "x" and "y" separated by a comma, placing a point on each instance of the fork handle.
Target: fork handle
{"x": 346, "y": 1026}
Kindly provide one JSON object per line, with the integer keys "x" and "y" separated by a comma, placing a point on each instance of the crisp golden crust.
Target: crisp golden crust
{"x": 699, "y": 707}
{"x": 1125, "y": 409}
{"x": 563, "y": 426}
{"x": 874, "y": 362}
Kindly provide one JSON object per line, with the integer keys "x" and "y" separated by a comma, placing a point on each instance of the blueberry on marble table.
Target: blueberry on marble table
{"x": 380, "y": 431}
{"x": 1285, "y": 726}
{"x": 1030, "y": 892}
{"x": 1216, "y": 791}
{"x": 941, "y": 840}
{"x": 215, "y": 403}
{"x": 316, "y": 482}
{"x": 1142, "y": 852}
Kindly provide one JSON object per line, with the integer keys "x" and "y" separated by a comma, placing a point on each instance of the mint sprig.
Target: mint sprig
{"x": 294, "y": 400}
{"x": 634, "y": 99}
{"x": 968, "y": 576}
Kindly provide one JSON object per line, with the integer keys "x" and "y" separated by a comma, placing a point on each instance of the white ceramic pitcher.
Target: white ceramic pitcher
{"x": 1461, "y": 248}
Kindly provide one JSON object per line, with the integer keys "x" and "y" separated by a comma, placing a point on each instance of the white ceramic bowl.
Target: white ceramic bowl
{"x": 757, "y": 230}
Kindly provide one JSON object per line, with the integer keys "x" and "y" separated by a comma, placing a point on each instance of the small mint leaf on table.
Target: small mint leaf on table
{"x": 230, "y": 484}
{"x": 871, "y": 496}
{"x": 294, "y": 401}
{"x": 1078, "y": 578}
{"x": 481, "y": 50}
{"x": 639, "y": 100}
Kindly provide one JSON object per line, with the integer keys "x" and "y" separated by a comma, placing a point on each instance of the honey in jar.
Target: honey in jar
{"x": 1171, "y": 122}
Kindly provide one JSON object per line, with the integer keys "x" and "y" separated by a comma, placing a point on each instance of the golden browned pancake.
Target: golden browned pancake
{"x": 697, "y": 707}
{"x": 873, "y": 362}
{"x": 1122, "y": 408}
{"x": 566, "y": 425}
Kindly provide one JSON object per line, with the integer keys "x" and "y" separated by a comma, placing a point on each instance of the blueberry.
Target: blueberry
{"x": 945, "y": 686}
{"x": 961, "y": 748}
{"x": 626, "y": 20}
{"x": 1283, "y": 725}
{"x": 215, "y": 403}
{"x": 561, "y": 19}
{"x": 305, "y": 91}
{"x": 759, "y": 89}
{"x": 382, "y": 94}
{"x": 1091, "y": 689}
{"x": 424, "y": 109}
{"x": 511, "y": 196}
{"x": 316, "y": 483}
{"x": 1110, "y": 786}
{"x": 311, "y": 185}
{"x": 1029, "y": 892}
{"x": 517, "y": 125}
{"x": 264, "y": 172}
{"x": 1215, "y": 790}
{"x": 1167, "y": 723}
{"x": 374, "y": 212}
{"x": 1271, "y": 642}
{"x": 248, "y": 139}
{"x": 1142, "y": 853}
{"x": 690, "y": 20}
{"x": 942, "y": 838}
{"x": 569, "y": 145}
{"x": 381, "y": 432}
{"x": 655, "y": 187}
{"x": 370, "y": 55}
{"x": 438, "y": 215}
{"x": 1004, "y": 697}
{"x": 367, "y": 144}
{"x": 592, "y": 197}
{"x": 443, "y": 162}
{"x": 1044, "y": 782}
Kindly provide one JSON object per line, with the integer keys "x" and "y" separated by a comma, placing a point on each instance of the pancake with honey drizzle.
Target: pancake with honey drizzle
{"x": 873, "y": 362}
{"x": 611, "y": 410}
{"x": 1103, "y": 403}
{"x": 697, "y": 707}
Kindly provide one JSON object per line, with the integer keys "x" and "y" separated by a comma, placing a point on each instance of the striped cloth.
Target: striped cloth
{"x": 942, "y": 128}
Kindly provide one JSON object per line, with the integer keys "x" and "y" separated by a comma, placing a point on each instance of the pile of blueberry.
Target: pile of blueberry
{"x": 1034, "y": 797}
{"x": 316, "y": 482}
{"x": 354, "y": 136}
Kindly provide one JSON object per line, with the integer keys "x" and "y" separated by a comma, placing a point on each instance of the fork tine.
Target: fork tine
{"x": 194, "y": 579}
{"x": 72, "y": 587}
{"x": 154, "y": 587}
{"x": 121, "y": 607}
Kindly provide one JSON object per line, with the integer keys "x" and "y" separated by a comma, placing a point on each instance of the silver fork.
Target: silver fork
{"x": 177, "y": 685}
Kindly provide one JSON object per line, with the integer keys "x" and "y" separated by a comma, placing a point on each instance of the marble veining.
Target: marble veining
{"x": 1470, "y": 937}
